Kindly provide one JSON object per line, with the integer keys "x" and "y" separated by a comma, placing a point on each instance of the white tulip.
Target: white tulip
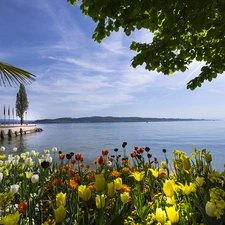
{"x": 28, "y": 161}
{"x": 35, "y": 178}
{"x": 54, "y": 149}
{"x": 14, "y": 188}
{"x": 2, "y": 149}
{"x": 1, "y": 176}
{"x": 14, "y": 149}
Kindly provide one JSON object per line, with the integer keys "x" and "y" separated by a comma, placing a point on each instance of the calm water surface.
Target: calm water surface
{"x": 89, "y": 139}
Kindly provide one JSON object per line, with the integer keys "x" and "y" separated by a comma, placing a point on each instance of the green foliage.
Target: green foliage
{"x": 21, "y": 103}
{"x": 184, "y": 31}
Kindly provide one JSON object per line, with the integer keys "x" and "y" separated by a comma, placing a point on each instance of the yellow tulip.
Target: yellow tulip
{"x": 118, "y": 183}
{"x": 60, "y": 214}
{"x": 186, "y": 163}
{"x": 29, "y": 174}
{"x": 111, "y": 189}
{"x": 160, "y": 215}
{"x": 125, "y": 196}
{"x": 11, "y": 219}
{"x": 100, "y": 201}
{"x": 163, "y": 164}
{"x": 61, "y": 199}
{"x": 210, "y": 209}
{"x": 99, "y": 182}
{"x": 168, "y": 188}
{"x": 81, "y": 190}
{"x": 200, "y": 181}
{"x": 208, "y": 157}
{"x": 86, "y": 194}
{"x": 172, "y": 214}
{"x": 138, "y": 176}
{"x": 155, "y": 172}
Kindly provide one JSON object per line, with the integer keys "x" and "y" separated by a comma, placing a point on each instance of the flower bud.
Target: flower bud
{"x": 14, "y": 188}
{"x": 200, "y": 181}
{"x": 200, "y": 163}
{"x": 206, "y": 168}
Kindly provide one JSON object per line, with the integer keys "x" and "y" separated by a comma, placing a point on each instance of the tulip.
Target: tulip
{"x": 100, "y": 201}
{"x": 125, "y": 196}
{"x": 84, "y": 192}
{"x": 28, "y": 161}
{"x": 1, "y": 176}
{"x": 118, "y": 183}
{"x": 35, "y": 178}
{"x": 138, "y": 176}
{"x": 99, "y": 182}
{"x": 29, "y": 174}
{"x": 163, "y": 164}
{"x": 186, "y": 163}
{"x": 111, "y": 189}
{"x": 2, "y": 149}
{"x": 160, "y": 215}
{"x": 208, "y": 157}
{"x": 172, "y": 214}
{"x": 11, "y": 219}
{"x": 14, "y": 188}
{"x": 199, "y": 181}
{"x": 210, "y": 209}
{"x": 54, "y": 150}
{"x": 61, "y": 199}
{"x": 60, "y": 214}
{"x": 168, "y": 189}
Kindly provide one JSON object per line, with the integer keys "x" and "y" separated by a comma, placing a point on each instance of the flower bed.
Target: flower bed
{"x": 58, "y": 188}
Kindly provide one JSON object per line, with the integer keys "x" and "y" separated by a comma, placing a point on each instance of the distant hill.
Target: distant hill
{"x": 110, "y": 119}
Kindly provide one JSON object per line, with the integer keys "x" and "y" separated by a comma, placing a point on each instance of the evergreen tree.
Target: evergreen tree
{"x": 21, "y": 103}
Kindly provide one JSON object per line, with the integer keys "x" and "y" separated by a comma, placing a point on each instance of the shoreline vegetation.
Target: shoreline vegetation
{"x": 124, "y": 188}
{"x": 110, "y": 119}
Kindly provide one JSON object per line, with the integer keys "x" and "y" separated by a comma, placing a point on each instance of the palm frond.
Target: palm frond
{"x": 13, "y": 75}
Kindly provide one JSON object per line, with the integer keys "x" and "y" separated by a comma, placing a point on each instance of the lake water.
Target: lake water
{"x": 90, "y": 138}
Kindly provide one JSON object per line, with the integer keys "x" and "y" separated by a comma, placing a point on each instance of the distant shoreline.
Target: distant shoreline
{"x": 110, "y": 119}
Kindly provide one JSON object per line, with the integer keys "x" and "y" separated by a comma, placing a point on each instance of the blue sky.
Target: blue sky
{"x": 76, "y": 76}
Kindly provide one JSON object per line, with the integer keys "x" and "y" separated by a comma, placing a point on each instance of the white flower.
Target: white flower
{"x": 46, "y": 151}
{"x": 32, "y": 153}
{"x": 35, "y": 178}
{"x": 14, "y": 188}
{"x": 54, "y": 149}
{"x": 14, "y": 149}
{"x": 109, "y": 163}
{"x": 1, "y": 176}
{"x": 15, "y": 162}
{"x": 10, "y": 158}
{"x": 48, "y": 158}
{"x": 2, "y": 149}
{"x": 28, "y": 161}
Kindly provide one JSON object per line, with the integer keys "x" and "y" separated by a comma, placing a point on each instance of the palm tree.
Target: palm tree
{"x": 13, "y": 75}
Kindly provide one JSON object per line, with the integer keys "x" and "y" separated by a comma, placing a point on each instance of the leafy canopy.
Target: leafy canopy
{"x": 184, "y": 30}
